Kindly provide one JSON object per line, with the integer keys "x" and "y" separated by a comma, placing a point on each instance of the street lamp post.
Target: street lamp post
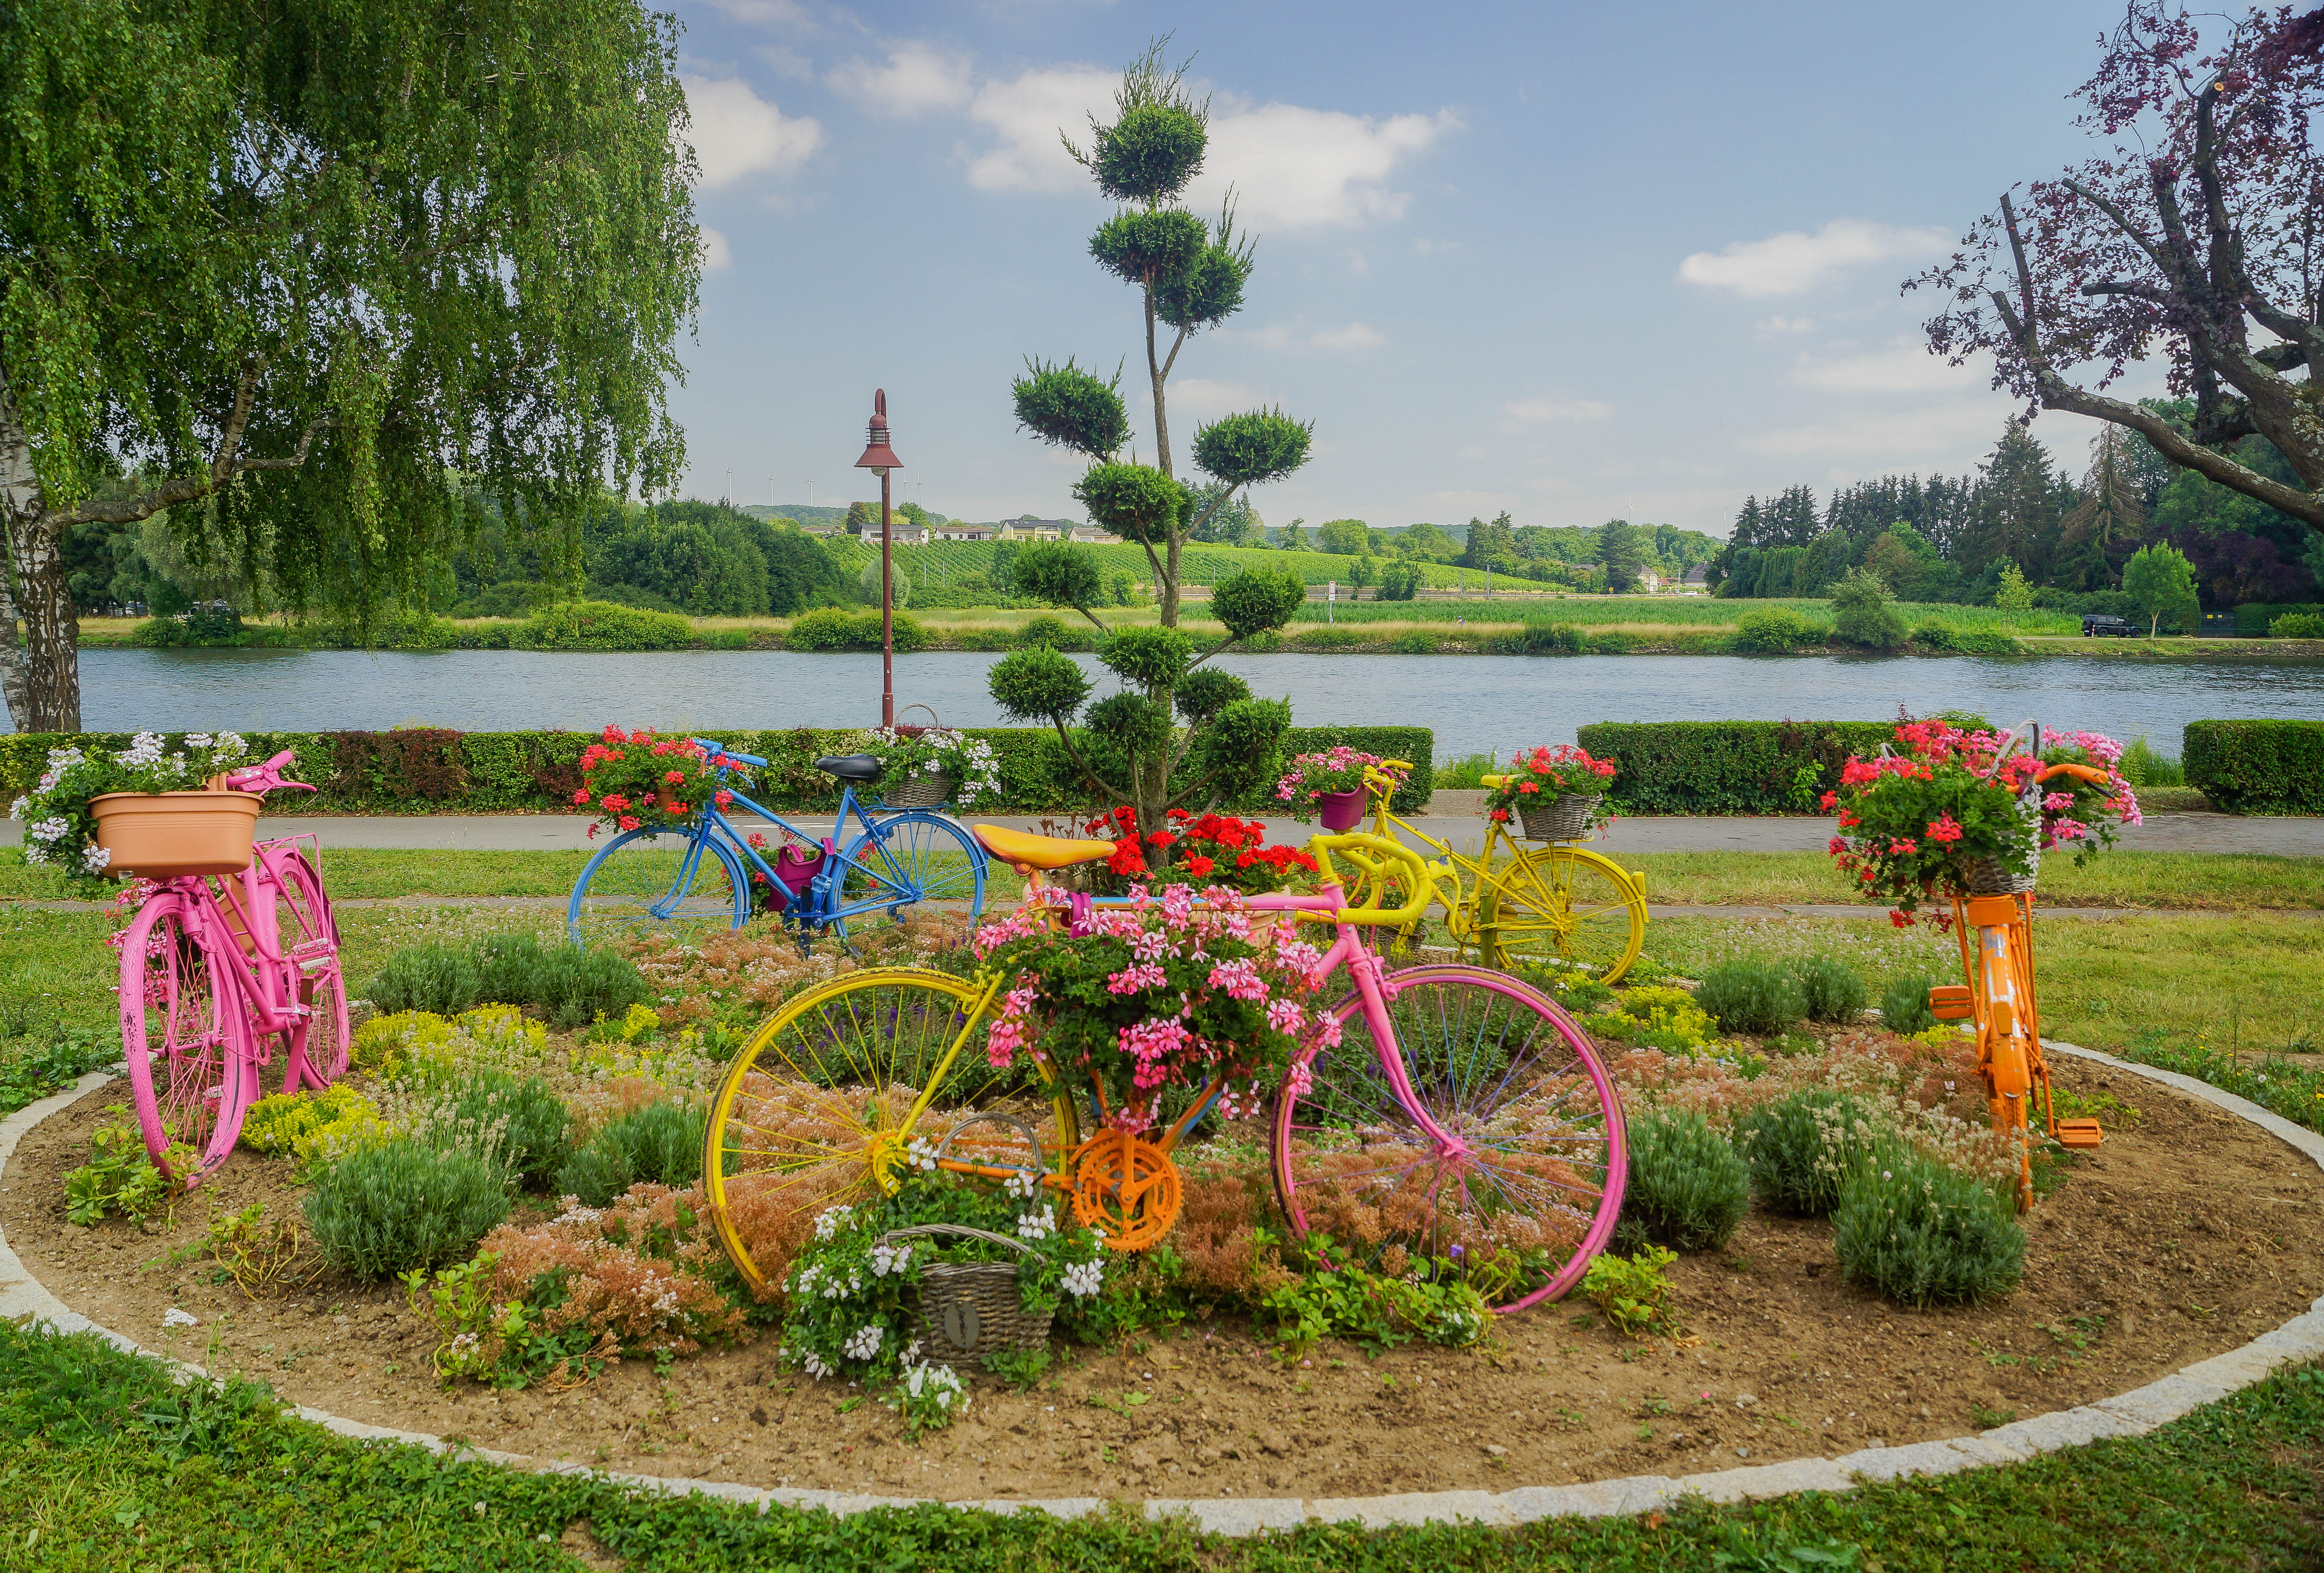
{"x": 880, "y": 458}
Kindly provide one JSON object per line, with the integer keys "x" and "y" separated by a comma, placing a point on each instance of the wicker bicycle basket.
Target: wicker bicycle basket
{"x": 1564, "y": 818}
{"x": 920, "y": 792}
{"x": 969, "y": 1310}
{"x": 1988, "y": 877}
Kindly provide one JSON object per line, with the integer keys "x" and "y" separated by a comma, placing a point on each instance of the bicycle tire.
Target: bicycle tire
{"x": 307, "y": 935}
{"x": 913, "y": 852}
{"x": 190, "y": 1079}
{"x": 1560, "y": 907}
{"x": 2010, "y": 1057}
{"x": 822, "y": 1106}
{"x": 633, "y": 886}
{"x": 1526, "y": 1191}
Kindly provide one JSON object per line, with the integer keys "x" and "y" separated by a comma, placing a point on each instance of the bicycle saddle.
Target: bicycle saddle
{"x": 849, "y": 767}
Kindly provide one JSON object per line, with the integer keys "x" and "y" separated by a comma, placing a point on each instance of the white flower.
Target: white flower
{"x": 1083, "y": 1279}
{"x": 17, "y": 809}
{"x": 93, "y": 857}
{"x": 173, "y": 1317}
{"x": 831, "y": 1221}
{"x": 921, "y": 1156}
{"x": 145, "y": 748}
{"x": 197, "y": 739}
{"x": 49, "y": 829}
{"x": 1020, "y": 1185}
{"x": 230, "y": 743}
{"x": 1038, "y": 1225}
{"x": 866, "y": 1341}
{"x": 887, "y": 1259}
{"x": 815, "y": 1366}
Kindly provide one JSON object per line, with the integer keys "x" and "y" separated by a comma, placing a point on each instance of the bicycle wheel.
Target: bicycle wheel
{"x": 1522, "y": 1188}
{"x": 308, "y": 935}
{"x": 657, "y": 881}
{"x": 913, "y": 857}
{"x": 187, "y": 1076}
{"x": 2009, "y": 1049}
{"x": 823, "y": 1108}
{"x": 1562, "y": 908}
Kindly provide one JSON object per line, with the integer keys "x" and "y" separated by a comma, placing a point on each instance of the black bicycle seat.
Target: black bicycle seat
{"x": 849, "y": 767}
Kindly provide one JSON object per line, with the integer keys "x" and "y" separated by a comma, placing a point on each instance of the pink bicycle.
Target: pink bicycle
{"x": 219, "y": 973}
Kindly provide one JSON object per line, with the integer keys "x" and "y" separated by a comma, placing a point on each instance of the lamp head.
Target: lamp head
{"x": 878, "y": 456}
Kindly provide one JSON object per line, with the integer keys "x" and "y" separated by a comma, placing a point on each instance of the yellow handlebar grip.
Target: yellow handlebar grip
{"x": 1373, "y": 855}
{"x": 1490, "y": 782}
{"x": 1395, "y": 764}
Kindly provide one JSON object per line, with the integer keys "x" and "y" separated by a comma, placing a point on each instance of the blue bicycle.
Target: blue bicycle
{"x": 689, "y": 879}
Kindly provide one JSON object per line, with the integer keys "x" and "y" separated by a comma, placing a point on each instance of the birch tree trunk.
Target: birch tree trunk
{"x": 41, "y": 677}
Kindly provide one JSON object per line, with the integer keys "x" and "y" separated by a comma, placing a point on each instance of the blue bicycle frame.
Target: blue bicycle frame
{"x": 885, "y": 884}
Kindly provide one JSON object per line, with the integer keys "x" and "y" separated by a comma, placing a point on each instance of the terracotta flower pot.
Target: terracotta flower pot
{"x": 168, "y": 835}
{"x": 1341, "y": 811}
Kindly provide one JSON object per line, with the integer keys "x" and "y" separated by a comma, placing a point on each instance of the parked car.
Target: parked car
{"x": 2097, "y": 623}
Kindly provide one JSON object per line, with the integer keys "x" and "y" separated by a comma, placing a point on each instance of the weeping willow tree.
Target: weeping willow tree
{"x": 307, "y": 273}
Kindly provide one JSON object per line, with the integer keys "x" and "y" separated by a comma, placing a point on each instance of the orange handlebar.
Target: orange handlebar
{"x": 2089, "y": 773}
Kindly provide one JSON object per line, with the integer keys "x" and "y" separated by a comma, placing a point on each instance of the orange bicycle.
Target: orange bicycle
{"x": 1998, "y": 964}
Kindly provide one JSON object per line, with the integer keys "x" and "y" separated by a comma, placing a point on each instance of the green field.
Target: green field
{"x": 1199, "y": 563}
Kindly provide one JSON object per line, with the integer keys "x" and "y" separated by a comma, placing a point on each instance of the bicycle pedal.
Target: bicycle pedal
{"x": 1949, "y": 1002}
{"x": 2078, "y": 1133}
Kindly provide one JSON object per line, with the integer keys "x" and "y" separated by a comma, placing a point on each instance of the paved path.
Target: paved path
{"x": 2294, "y": 836}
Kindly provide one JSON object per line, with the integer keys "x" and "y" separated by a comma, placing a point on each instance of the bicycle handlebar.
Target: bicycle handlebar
{"x": 718, "y": 750}
{"x": 1372, "y": 855}
{"x": 265, "y": 779}
{"x": 2089, "y": 773}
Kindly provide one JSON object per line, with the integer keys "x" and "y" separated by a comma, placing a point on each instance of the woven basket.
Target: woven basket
{"x": 920, "y": 792}
{"x": 1564, "y": 818}
{"x": 969, "y": 1310}
{"x": 1987, "y": 876}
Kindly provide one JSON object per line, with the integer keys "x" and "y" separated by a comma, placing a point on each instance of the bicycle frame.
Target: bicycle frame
{"x": 821, "y": 904}
{"x": 237, "y": 915}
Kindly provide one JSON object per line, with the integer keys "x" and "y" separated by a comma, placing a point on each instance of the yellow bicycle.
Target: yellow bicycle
{"x": 1556, "y": 907}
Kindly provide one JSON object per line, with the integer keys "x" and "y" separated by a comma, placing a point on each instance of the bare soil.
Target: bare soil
{"x": 2188, "y": 1233}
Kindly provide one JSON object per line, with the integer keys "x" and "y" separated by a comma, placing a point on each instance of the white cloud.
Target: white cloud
{"x": 766, "y": 12}
{"x": 1768, "y": 327}
{"x": 1434, "y": 248}
{"x": 1554, "y": 411}
{"x": 1296, "y": 168}
{"x": 1941, "y": 433}
{"x": 1904, "y": 366}
{"x": 1203, "y": 396}
{"x": 1291, "y": 166}
{"x": 735, "y": 133}
{"x": 789, "y": 63}
{"x": 916, "y": 77}
{"x": 1794, "y": 261}
{"x": 717, "y": 256}
{"x": 1027, "y": 115}
{"x": 1355, "y": 336}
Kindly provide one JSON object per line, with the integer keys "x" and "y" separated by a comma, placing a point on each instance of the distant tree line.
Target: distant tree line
{"x": 1959, "y": 538}
{"x": 1610, "y": 556}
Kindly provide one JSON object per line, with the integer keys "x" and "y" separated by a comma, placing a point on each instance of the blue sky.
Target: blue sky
{"x": 1575, "y": 262}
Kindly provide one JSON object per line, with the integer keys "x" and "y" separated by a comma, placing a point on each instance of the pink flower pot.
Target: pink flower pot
{"x": 1341, "y": 811}
{"x": 797, "y": 867}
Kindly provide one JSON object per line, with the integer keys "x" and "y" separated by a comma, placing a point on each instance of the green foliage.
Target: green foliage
{"x": 2142, "y": 765}
{"x": 1254, "y": 448}
{"x": 1057, "y": 572}
{"x": 1039, "y": 685}
{"x": 600, "y": 625}
{"x": 2162, "y": 581}
{"x": 1136, "y": 501}
{"x": 1774, "y": 630}
{"x": 120, "y": 1176}
{"x": 1802, "y": 1147}
{"x": 1864, "y": 613}
{"x": 1632, "y": 1291}
{"x": 384, "y": 1210}
{"x": 1541, "y": 639}
{"x": 1338, "y": 1300}
{"x": 1688, "y": 1187}
{"x": 1938, "y": 636}
{"x": 1467, "y": 773}
{"x": 660, "y": 1144}
{"x": 827, "y": 628}
{"x": 1142, "y": 247}
{"x": 2257, "y": 766}
{"x": 1727, "y": 767}
{"x": 1829, "y": 989}
{"x": 1399, "y": 582}
{"x": 1924, "y": 1235}
{"x": 2299, "y": 625}
{"x": 1751, "y": 997}
{"x": 1904, "y": 1005}
{"x": 1202, "y": 696}
{"x": 516, "y": 1123}
{"x": 1255, "y": 600}
{"x": 568, "y": 985}
{"x": 1150, "y": 658}
{"x": 39, "y": 1056}
{"x": 1041, "y": 633}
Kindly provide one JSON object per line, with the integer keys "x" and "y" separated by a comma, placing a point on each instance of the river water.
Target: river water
{"x": 1473, "y": 704}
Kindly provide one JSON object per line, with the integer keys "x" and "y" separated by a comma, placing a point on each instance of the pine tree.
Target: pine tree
{"x": 2111, "y": 519}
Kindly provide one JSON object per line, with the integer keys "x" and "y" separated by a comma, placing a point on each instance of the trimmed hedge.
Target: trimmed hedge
{"x": 2257, "y": 766}
{"x": 1729, "y": 767}
{"x": 431, "y": 770}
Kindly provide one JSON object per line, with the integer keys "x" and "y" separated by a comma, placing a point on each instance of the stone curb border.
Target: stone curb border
{"x": 2130, "y": 1414}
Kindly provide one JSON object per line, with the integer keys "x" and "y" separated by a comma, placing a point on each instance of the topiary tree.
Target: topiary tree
{"x": 1131, "y": 748}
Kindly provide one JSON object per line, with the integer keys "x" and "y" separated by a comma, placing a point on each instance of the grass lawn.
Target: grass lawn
{"x": 104, "y": 1465}
{"x": 2157, "y": 881}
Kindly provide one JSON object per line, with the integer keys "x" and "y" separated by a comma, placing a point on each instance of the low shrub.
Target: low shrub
{"x": 1542, "y": 639}
{"x": 1750, "y": 996}
{"x": 120, "y": 1176}
{"x": 2300, "y": 625}
{"x": 276, "y": 1125}
{"x": 1688, "y": 1187}
{"x": 2142, "y": 766}
{"x": 600, "y": 625}
{"x": 1415, "y": 641}
{"x": 1830, "y": 989}
{"x": 1465, "y": 774}
{"x": 1905, "y": 1006}
{"x": 827, "y": 628}
{"x": 1042, "y": 631}
{"x": 1774, "y": 630}
{"x": 1667, "y": 1019}
{"x": 660, "y": 1142}
{"x": 2257, "y": 766}
{"x": 1802, "y": 1146}
{"x": 402, "y": 1205}
{"x": 1632, "y": 1291}
{"x": 1864, "y": 613}
{"x": 440, "y": 979}
{"x": 1922, "y": 1235}
{"x": 568, "y": 985}
{"x": 515, "y": 1123}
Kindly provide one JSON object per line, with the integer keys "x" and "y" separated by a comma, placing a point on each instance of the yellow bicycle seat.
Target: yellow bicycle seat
{"x": 1020, "y": 850}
